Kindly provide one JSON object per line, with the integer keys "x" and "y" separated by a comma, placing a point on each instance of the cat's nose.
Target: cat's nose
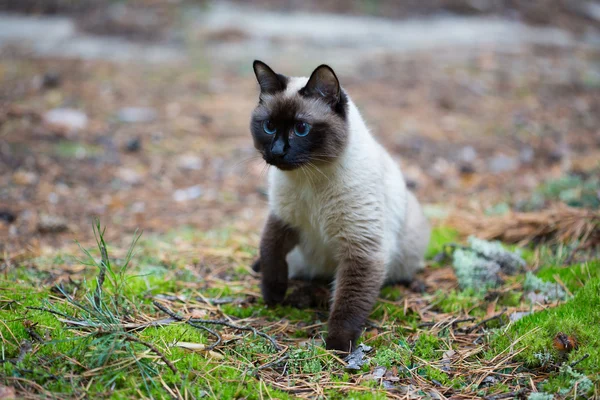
{"x": 278, "y": 148}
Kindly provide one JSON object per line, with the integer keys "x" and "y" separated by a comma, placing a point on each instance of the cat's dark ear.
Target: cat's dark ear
{"x": 269, "y": 81}
{"x": 323, "y": 83}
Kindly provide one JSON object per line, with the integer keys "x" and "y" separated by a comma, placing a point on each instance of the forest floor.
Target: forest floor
{"x": 503, "y": 145}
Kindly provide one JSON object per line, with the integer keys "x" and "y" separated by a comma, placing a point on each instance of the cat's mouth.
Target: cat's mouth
{"x": 282, "y": 164}
{"x": 285, "y": 165}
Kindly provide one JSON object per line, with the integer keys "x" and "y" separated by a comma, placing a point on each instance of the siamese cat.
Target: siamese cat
{"x": 339, "y": 205}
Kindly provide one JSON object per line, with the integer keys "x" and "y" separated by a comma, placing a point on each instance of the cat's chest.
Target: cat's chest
{"x": 301, "y": 208}
{"x": 303, "y": 205}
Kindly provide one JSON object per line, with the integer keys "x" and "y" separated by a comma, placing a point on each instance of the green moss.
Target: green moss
{"x": 440, "y": 236}
{"x": 510, "y": 299}
{"x": 456, "y": 302}
{"x": 565, "y": 382}
{"x": 579, "y": 317}
{"x": 435, "y": 375}
{"x": 396, "y": 313}
{"x": 392, "y": 293}
{"x": 428, "y": 347}
{"x": 390, "y": 356}
{"x": 310, "y": 358}
{"x": 574, "y": 276}
{"x": 289, "y": 313}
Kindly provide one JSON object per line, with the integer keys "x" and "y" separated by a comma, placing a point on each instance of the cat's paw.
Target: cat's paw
{"x": 342, "y": 341}
{"x": 273, "y": 292}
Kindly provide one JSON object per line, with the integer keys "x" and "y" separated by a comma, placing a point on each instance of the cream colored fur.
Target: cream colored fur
{"x": 360, "y": 196}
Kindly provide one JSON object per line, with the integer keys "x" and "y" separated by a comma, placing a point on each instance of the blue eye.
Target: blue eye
{"x": 301, "y": 129}
{"x": 269, "y": 128}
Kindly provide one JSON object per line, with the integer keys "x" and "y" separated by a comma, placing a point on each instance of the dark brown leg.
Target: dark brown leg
{"x": 358, "y": 281}
{"x": 278, "y": 239}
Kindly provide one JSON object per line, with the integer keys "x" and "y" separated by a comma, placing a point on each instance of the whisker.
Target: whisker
{"x": 318, "y": 170}
{"x": 309, "y": 179}
{"x": 253, "y": 158}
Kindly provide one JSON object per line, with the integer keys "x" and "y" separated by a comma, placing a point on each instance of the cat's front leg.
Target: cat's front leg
{"x": 277, "y": 240}
{"x": 357, "y": 285}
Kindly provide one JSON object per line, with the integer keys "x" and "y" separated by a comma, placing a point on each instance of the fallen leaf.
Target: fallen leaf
{"x": 564, "y": 343}
{"x": 357, "y": 358}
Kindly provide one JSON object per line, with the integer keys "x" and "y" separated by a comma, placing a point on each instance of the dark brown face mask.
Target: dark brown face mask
{"x": 295, "y": 129}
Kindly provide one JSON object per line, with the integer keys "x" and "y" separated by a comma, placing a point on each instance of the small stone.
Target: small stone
{"x": 7, "y": 216}
{"x": 53, "y": 198}
{"x": 190, "y": 193}
{"x": 526, "y": 155}
{"x": 467, "y": 154}
{"x": 138, "y": 207}
{"x": 503, "y": 163}
{"x": 488, "y": 381}
{"x": 129, "y": 176}
{"x": 52, "y": 224}
{"x": 51, "y": 80}
{"x": 133, "y": 145}
{"x": 136, "y": 114}
{"x": 190, "y": 162}
{"x": 67, "y": 119}
{"x": 556, "y": 155}
{"x": 23, "y": 178}
{"x": 466, "y": 168}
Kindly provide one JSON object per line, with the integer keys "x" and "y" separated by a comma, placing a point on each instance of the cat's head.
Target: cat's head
{"x": 299, "y": 121}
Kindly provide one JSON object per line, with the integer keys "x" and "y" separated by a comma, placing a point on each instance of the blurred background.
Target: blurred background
{"x": 137, "y": 111}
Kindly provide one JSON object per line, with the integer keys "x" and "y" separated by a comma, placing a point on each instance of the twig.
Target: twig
{"x": 24, "y": 348}
{"x": 132, "y": 338}
{"x": 178, "y": 317}
{"x": 238, "y": 327}
{"x": 585, "y": 356}
{"x": 34, "y": 335}
{"x": 509, "y": 395}
{"x": 118, "y": 327}
{"x": 485, "y": 321}
{"x": 217, "y": 322}
{"x": 283, "y": 357}
{"x": 453, "y": 323}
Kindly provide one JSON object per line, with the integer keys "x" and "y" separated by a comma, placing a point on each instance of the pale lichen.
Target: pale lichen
{"x": 510, "y": 263}
{"x": 479, "y": 265}
{"x": 540, "y": 396}
{"x": 473, "y": 271}
{"x": 547, "y": 291}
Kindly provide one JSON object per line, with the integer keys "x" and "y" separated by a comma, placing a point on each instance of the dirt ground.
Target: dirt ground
{"x": 471, "y": 131}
